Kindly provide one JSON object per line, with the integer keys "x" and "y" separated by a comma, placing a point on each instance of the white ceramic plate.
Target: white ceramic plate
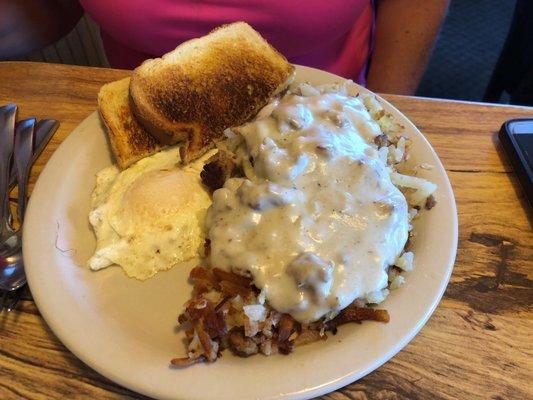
{"x": 125, "y": 329}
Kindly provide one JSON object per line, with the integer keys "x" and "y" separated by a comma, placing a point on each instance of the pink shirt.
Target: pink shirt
{"x": 333, "y": 35}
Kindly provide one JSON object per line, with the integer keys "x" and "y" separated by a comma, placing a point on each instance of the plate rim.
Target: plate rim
{"x": 309, "y": 392}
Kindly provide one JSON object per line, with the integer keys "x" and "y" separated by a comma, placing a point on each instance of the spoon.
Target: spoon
{"x": 12, "y": 274}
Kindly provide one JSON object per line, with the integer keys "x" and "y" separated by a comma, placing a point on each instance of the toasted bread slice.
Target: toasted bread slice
{"x": 129, "y": 140}
{"x": 206, "y": 85}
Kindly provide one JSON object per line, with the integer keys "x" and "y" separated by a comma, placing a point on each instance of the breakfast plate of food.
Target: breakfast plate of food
{"x": 230, "y": 226}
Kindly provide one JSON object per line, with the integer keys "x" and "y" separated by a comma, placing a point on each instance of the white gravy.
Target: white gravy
{"x": 317, "y": 221}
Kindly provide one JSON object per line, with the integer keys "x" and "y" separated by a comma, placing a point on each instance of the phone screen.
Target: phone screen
{"x": 525, "y": 142}
{"x": 522, "y": 132}
{"x": 516, "y": 137}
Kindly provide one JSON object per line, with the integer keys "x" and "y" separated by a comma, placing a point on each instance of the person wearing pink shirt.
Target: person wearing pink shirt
{"x": 384, "y": 44}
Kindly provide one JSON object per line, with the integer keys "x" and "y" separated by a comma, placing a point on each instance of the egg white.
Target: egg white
{"x": 150, "y": 216}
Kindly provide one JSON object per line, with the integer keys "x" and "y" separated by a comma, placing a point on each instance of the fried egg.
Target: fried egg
{"x": 150, "y": 216}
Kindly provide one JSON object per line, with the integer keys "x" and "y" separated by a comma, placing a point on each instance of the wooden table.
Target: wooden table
{"x": 477, "y": 345}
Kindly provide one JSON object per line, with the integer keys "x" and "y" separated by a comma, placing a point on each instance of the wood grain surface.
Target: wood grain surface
{"x": 477, "y": 345}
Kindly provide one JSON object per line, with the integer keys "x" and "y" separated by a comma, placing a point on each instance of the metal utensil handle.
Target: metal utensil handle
{"x": 23, "y": 154}
{"x": 8, "y": 116}
{"x": 44, "y": 130}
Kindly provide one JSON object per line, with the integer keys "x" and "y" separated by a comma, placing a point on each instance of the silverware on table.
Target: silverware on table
{"x": 22, "y": 158}
{"x": 26, "y": 143}
{"x": 8, "y": 116}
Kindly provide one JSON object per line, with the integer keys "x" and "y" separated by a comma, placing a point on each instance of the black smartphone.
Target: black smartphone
{"x": 516, "y": 136}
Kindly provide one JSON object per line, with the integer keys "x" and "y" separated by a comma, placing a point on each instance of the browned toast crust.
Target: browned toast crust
{"x": 195, "y": 100}
{"x": 129, "y": 140}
